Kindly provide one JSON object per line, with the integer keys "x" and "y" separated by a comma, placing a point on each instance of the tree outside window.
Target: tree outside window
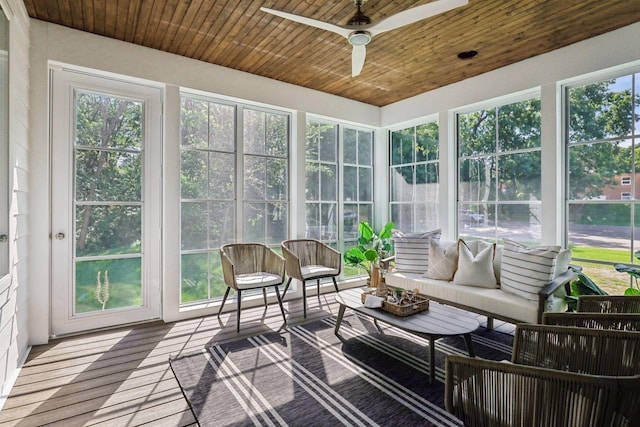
{"x": 414, "y": 178}
{"x": 499, "y": 163}
{"x": 210, "y": 195}
{"x": 603, "y": 216}
{"x": 338, "y": 157}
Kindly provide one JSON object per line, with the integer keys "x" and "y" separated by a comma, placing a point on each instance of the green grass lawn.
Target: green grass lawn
{"x": 604, "y": 275}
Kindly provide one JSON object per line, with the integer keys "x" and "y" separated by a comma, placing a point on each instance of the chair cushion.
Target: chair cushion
{"x": 257, "y": 280}
{"x": 311, "y": 271}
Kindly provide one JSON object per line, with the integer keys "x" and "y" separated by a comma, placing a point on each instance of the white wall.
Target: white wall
{"x": 55, "y": 43}
{"x": 14, "y": 296}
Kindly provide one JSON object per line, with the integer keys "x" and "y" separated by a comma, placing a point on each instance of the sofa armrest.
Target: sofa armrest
{"x": 386, "y": 262}
{"x": 563, "y": 279}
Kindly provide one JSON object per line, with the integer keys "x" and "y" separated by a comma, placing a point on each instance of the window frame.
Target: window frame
{"x": 413, "y": 203}
{"x": 463, "y": 206}
{"x": 238, "y": 198}
{"x": 634, "y": 136}
{"x": 341, "y": 242}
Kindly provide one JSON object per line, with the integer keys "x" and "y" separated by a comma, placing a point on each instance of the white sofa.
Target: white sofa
{"x": 493, "y": 302}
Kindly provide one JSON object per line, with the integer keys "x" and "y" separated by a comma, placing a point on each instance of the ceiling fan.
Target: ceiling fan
{"x": 360, "y": 30}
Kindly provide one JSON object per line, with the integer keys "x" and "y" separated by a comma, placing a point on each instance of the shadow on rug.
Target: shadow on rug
{"x": 308, "y": 376}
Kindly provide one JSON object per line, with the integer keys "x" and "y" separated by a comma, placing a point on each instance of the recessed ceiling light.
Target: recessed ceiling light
{"x": 468, "y": 54}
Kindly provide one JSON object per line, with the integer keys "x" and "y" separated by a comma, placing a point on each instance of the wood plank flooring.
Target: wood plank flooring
{"x": 121, "y": 377}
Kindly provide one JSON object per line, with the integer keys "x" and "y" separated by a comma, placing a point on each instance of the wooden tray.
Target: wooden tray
{"x": 407, "y": 309}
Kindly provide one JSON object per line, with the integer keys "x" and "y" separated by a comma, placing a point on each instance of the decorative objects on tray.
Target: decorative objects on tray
{"x": 398, "y": 301}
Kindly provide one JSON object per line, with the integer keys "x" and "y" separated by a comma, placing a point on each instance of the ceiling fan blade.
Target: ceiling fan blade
{"x": 358, "y": 55}
{"x": 415, "y": 14}
{"x": 308, "y": 21}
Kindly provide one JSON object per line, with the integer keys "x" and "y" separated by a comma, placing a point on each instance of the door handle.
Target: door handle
{"x": 60, "y": 236}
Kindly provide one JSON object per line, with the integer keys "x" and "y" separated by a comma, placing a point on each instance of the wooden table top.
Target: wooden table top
{"x": 439, "y": 319}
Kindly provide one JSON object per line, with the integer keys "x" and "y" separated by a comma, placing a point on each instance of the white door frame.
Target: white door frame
{"x": 64, "y": 83}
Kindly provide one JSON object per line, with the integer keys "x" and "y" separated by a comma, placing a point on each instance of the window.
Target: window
{"x": 414, "y": 178}
{"x": 603, "y": 219}
{"x": 234, "y": 186}
{"x": 499, "y": 160}
{"x": 338, "y": 156}
{"x": 358, "y": 181}
{"x": 322, "y": 182}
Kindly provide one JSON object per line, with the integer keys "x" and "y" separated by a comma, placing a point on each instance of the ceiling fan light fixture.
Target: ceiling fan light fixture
{"x": 359, "y": 38}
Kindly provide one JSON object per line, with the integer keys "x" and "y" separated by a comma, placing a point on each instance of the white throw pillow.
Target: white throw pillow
{"x": 525, "y": 270}
{"x": 475, "y": 264}
{"x": 443, "y": 260}
{"x": 412, "y": 250}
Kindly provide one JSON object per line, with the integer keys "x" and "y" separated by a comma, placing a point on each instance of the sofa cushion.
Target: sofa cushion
{"x": 488, "y": 300}
{"x": 475, "y": 264}
{"x": 443, "y": 260}
{"x": 526, "y": 270}
{"x": 412, "y": 250}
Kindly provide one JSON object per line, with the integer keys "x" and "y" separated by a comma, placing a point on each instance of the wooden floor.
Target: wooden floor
{"x": 122, "y": 377}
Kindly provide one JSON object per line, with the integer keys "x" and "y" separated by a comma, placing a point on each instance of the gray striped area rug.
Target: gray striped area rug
{"x": 308, "y": 376}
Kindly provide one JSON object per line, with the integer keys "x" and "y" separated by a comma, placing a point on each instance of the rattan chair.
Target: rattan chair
{"x": 309, "y": 259}
{"x": 581, "y": 350}
{"x": 620, "y": 321}
{"x": 557, "y": 376}
{"x": 489, "y": 393}
{"x": 247, "y": 266}
{"x": 609, "y": 304}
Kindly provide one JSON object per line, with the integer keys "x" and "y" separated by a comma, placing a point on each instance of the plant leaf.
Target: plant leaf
{"x": 585, "y": 286}
{"x": 366, "y": 232}
{"x": 631, "y": 291}
{"x": 371, "y": 255}
{"x": 354, "y": 256}
{"x": 385, "y": 233}
{"x": 622, "y": 268}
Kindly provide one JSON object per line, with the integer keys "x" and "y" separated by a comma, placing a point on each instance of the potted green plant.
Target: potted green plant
{"x": 371, "y": 247}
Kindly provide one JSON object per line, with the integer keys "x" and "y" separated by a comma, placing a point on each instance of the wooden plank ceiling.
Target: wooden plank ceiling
{"x": 400, "y": 63}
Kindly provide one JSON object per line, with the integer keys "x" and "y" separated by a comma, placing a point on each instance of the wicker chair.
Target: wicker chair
{"x": 489, "y": 393}
{"x": 609, "y": 304}
{"x": 247, "y": 266}
{"x": 620, "y": 321}
{"x": 557, "y": 376}
{"x": 308, "y": 259}
{"x": 581, "y": 350}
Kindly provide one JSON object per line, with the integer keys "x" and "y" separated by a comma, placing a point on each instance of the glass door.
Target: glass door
{"x": 106, "y": 171}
